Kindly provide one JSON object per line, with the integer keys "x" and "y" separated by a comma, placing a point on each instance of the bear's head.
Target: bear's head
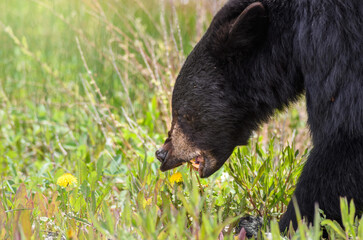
{"x": 214, "y": 108}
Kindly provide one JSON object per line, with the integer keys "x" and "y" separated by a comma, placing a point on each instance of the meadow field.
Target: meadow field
{"x": 85, "y": 89}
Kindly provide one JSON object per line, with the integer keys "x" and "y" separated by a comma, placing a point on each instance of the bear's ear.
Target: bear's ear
{"x": 241, "y": 33}
{"x": 249, "y": 27}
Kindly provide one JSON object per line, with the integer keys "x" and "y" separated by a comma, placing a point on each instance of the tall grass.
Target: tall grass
{"x": 85, "y": 88}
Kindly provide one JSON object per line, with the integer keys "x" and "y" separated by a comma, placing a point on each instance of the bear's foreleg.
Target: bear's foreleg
{"x": 333, "y": 170}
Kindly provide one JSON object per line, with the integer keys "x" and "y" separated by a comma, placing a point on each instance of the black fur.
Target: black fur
{"x": 244, "y": 68}
{"x": 251, "y": 225}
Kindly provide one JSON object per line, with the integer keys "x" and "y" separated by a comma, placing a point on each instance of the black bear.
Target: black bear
{"x": 257, "y": 57}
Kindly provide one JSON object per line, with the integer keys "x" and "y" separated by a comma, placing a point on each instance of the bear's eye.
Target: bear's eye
{"x": 188, "y": 118}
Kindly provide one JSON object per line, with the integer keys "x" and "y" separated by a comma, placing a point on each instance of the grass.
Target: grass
{"x": 85, "y": 88}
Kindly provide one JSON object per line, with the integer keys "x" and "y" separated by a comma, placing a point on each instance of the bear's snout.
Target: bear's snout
{"x": 161, "y": 154}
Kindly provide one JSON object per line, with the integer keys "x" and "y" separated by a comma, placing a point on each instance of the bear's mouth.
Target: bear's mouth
{"x": 198, "y": 164}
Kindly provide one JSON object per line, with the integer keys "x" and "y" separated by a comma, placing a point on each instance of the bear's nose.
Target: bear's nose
{"x": 161, "y": 154}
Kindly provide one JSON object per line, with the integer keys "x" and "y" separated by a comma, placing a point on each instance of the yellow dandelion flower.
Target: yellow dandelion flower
{"x": 147, "y": 202}
{"x": 66, "y": 179}
{"x": 176, "y": 178}
{"x": 70, "y": 234}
